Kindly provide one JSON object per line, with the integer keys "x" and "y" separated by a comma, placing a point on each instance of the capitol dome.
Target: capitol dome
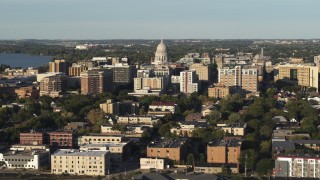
{"x": 161, "y": 54}
{"x": 161, "y": 47}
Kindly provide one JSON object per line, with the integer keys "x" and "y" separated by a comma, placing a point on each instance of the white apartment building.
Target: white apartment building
{"x": 188, "y": 81}
{"x": 151, "y": 163}
{"x": 297, "y": 166}
{"x": 147, "y": 120}
{"x": 24, "y": 159}
{"x": 75, "y": 162}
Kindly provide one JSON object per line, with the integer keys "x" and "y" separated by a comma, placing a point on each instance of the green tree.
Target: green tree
{"x": 190, "y": 159}
{"x": 251, "y": 158}
{"x": 95, "y": 115}
{"x": 234, "y": 117}
{"x": 264, "y": 166}
{"x": 164, "y": 130}
{"x": 265, "y": 147}
{"x": 266, "y": 131}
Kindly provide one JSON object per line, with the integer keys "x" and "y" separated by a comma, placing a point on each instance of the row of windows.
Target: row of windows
{"x": 18, "y": 165}
{"x": 26, "y": 160}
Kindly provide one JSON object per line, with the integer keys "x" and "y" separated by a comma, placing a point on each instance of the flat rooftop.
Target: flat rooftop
{"x": 229, "y": 142}
{"x": 111, "y": 144}
{"x": 104, "y": 135}
{"x": 23, "y": 153}
{"x": 167, "y": 143}
{"x": 76, "y": 152}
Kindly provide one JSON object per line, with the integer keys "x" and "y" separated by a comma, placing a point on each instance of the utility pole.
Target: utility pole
{"x": 245, "y": 165}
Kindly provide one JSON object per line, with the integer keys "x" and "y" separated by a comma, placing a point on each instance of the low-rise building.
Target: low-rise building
{"x": 215, "y": 168}
{"x": 237, "y": 129}
{"x": 62, "y": 139}
{"x": 119, "y": 150}
{"x": 172, "y": 149}
{"x": 152, "y": 163}
{"x": 27, "y": 92}
{"x": 94, "y": 138}
{"x": 161, "y": 108}
{"x": 128, "y": 130}
{"x": 76, "y": 125}
{"x": 224, "y": 151}
{"x": 24, "y": 159}
{"x": 110, "y": 107}
{"x": 297, "y": 165}
{"x": 186, "y": 128}
{"x": 218, "y": 91}
{"x": 32, "y": 138}
{"x": 146, "y": 120}
{"x": 75, "y": 162}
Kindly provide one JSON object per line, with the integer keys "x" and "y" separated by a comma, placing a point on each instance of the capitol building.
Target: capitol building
{"x": 161, "y": 54}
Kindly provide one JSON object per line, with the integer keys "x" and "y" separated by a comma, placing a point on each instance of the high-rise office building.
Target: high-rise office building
{"x": 239, "y": 78}
{"x": 59, "y": 65}
{"x": 202, "y": 70}
{"x": 96, "y": 81}
{"x": 53, "y": 85}
{"x": 123, "y": 73}
{"x": 298, "y": 74}
{"x": 76, "y": 70}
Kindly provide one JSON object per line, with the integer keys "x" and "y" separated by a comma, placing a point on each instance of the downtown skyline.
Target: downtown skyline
{"x": 125, "y": 19}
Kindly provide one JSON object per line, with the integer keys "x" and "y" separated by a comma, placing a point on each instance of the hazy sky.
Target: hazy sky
{"x": 153, "y": 19}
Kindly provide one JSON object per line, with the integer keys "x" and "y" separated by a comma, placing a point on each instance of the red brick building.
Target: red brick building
{"x": 65, "y": 139}
{"x": 32, "y": 138}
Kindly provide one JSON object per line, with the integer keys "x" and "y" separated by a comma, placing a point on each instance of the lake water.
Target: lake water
{"x": 23, "y": 60}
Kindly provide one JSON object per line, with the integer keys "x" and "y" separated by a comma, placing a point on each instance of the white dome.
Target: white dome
{"x": 161, "y": 54}
{"x": 161, "y": 47}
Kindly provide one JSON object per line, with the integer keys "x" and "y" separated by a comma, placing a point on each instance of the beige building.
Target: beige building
{"x": 186, "y": 128}
{"x": 239, "y": 78}
{"x": 110, "y": 107}
{"x": 27, "y": 92}
{"x": 237, "y": 129}
{"x": 94, "y": 138}
{"x": 299, "y": 74}
{"x": 172, "y": 149}
{"x": 224, "y": 151}
{"x": 58, "y": 66}
{"x": 202, "y": 70}
{"x": 119, "y": 151}
{"x": 75, "y": 162}
{"x": 76, "y": 70}
{"x": 151, "y": 163}
{"x": 147, "y": 120}
{"x": 96, "y": 81}
{"x": 150, "y": 83}
{"x": 215, "y": 168}
{"x": 218, "y": 91}
{"x": 53, "y": 86}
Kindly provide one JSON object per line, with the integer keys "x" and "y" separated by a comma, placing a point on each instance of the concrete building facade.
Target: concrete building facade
{"x": 59, "y": 65}
{"x": 298, "y": 74}
{"x": 218, "y": 91}
{"x": 172, "y": 149}
{"x": 75, "y": 162}
{"x": 224, "y": 151}
{"x": 96, "y": 81}
{"x": 239, "y": 78}
{"x": 188, "y": 81}
{"x": 202, "y": 70}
